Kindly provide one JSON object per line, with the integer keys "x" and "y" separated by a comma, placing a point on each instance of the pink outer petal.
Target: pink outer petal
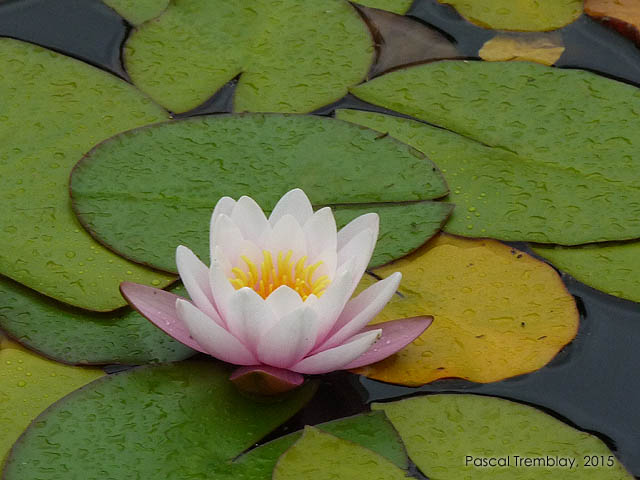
{"x": 396, "y": 335}
{"x": 159, "y": 307}
{"x": 265, "y": 380}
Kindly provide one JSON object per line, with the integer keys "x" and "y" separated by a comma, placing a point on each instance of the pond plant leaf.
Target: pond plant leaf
{"x": 621, "y": 15}
{"x": 319, "y": 455}
{"x": 145, "y": 208}
{"x": 171, "y": 421}
{"x": 501, "y": 195}
{"x": 520, "y": 15}
{"x": 56, "y": 108}
{"x": 30, "y": 384}
{"x": 370, "y": 430}
{"x": 544, "y": 48}
{"x": 138, "y": 11}
{"x": 498, "y": 312}
{"x": 567, "y": 119}
{"x": 446, "y": 433}
{"x": 292, "y": 56}
{"x": 402, "y": 40}
{"x": 613, "y": 268}
{"x": 399, "y": 7}
{"x": 75, "y": 336}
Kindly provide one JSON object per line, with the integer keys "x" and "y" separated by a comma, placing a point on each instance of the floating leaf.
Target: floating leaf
{"x": 292, "y": 56}
{"x": 54, "y": 109}
{"x": 497, "y": 313}
{"x": 319, "y": 455}
{"x": 396, "y": 6}
{"x": 370, "y": 430}
{"x": 525, "y": 15}
{"x": 30, "y": 384}
{"x": 138, "y": 11}
{"x": 501, "y": 195}
{"x": 172, "y": 421}
{"x": 144, "y": 209}
{"x": 612, "y": 268}
{"x": 621, "y": 15}
{"x": 402, "y": 40}
{"x": 445, "y": 434}
{"x": 557, "y": 118}
{"x": 71, "y": 335}
{"x": 542, "y": 48}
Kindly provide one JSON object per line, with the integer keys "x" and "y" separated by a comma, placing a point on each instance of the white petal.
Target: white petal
{"x": 283, "y": 301}
{"x": 286, "y": 235}
{"x": 250, "y": 218}
{"x": 212, "y": 337}
{"x": 290, "y": 339}
{"x": 225, "y": 233}
{"x": 195, "y": 276}
{"x": 337, "y": 357}
{"x": 295, "y": 203}
{"x": 329, "y": 259}
{"x": 361, "y": 310}
{"x": 369, "y": 221}
{"x": 359, "y": 250}
{"x": 320, "y": 232}
{"x": 224, "y": 206}
{"x": 331, "y": 304}
{"x": 221, "y": 289}
{"x": 249, "y": 317}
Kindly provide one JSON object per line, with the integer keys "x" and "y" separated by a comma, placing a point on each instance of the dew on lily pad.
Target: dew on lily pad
{"x": 167, "y": 202}
{"x": 498, "y": 312}
{"x": 291, "y": 56}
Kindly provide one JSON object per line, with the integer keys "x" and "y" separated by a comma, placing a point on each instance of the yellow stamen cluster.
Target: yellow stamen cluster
{"x": 271, "y": 275}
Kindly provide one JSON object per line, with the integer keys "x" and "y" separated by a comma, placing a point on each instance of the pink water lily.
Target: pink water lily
{"x": 276, "y": 299}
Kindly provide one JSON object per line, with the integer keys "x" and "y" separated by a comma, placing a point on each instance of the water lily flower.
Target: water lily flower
{"x": 276, "y": 299}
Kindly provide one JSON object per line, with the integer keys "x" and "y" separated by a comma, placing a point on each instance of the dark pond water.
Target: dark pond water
{"x": 593, "y": 384}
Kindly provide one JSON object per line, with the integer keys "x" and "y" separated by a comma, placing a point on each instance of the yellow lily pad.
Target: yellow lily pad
{"x": 498, "y": 312}
{"x": 30, "y": 383}
{"x": 544, "y": 48}
{"x": 522, "y": 15}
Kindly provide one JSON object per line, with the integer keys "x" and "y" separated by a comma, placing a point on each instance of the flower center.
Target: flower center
{"x": 270, "y": 275}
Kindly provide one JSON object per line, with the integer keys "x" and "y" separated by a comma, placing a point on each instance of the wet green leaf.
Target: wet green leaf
{"x": 145, "y": 208}
{"x": 613, "y": 268}
{"x": 172, "y": 422}
{"x": 396, "y": 6}
{"x": 526, "y": 15}
{"x": 76, "y": 336}
{"x": 54, "y": 109}
{"x": 29, "y": 384}
{"x": 556, "y": 119}
{"x": 501, "y": 195}
{"x": 319, "y": 455}
{"x": 138, "y": 11}
{"x": 370, "y": 430}
{"x": 442, "y": 431}
{"x": 292, "y": 55}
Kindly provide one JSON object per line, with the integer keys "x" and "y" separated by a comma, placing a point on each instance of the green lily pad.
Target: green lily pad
{"x": 370, "y": 430}
{"x": 567, "y": 119}
{"x": 56, "y": 108}
{"x": 30, "y": 384}
{"x": 173, "y": 422}
{"x": 525, "y": 15}
{"x": 292, "y": 56}
{"x": 501, "y": 195}
{"x": 75, "y": 336}
{"x": 319, "y": 455}
{"x": 396, "y": 6}
{"x": 144, "y": 209}
{"x": 613, "y": 268}
{"x": 138, "y": 11}
{"x": 448, "y": 436}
